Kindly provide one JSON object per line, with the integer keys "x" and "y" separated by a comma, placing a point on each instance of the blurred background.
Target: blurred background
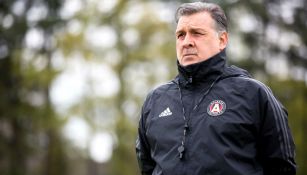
{"x": 74, "y": 74}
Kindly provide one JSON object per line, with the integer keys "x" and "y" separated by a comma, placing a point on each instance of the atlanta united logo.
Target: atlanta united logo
{"x": 216, "y": 107}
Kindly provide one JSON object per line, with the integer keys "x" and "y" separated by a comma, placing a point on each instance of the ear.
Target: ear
{"x": 223, "y": 40}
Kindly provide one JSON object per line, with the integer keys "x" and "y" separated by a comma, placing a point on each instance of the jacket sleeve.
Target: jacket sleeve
{"x": 277, "y": 147}
{"x": 146, "y": 163}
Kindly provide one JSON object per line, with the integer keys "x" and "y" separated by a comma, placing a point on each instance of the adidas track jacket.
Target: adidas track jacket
{"x": 213, "y": 119}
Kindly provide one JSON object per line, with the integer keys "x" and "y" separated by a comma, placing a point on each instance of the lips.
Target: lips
{"x": 190, "y": 54}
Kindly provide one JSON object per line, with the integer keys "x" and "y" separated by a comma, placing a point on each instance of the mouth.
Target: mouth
{"x": 189, "y": 55}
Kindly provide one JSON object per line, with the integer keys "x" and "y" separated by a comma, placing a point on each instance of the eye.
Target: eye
{"x": 198, "y": 33}
{"x": 180, "y": 35}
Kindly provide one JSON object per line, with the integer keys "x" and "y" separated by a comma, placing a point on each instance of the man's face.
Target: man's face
{"x": 197, "y": 39}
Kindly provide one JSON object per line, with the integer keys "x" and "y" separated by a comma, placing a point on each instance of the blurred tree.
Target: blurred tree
{"x": 30, "y": 141}
{"x": 143, "y": 42}
{"x": 133, "y": 42}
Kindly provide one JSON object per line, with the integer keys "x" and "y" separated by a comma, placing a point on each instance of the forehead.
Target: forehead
{"x": 199, "y": 20}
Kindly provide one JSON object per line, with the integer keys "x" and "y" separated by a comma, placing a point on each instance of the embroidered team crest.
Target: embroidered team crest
{"x": 216, "y": 107}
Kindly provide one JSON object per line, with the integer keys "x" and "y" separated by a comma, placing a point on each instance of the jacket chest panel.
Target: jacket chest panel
{"x": 165, "y": 123}
{"x": 222, "y": 132}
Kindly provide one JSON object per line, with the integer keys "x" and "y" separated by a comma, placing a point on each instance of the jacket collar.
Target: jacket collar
{"x": 203, "y": 71}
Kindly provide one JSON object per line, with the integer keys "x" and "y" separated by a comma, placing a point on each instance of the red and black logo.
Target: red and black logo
{"x": 216, "y": 108}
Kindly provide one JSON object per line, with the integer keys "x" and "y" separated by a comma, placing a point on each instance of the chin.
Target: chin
{"x": 188, "y": 60}
{"x": 186, "y": 63}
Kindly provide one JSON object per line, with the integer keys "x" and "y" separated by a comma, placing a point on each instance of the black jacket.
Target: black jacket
{"x": 213, "y": 119}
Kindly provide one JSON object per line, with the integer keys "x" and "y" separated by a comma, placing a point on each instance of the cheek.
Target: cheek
{"x": 211, "y": 44}
{"x": 178, "y": 48}
{"x": 207, "y": 48}
{"x": 177, "y": 43}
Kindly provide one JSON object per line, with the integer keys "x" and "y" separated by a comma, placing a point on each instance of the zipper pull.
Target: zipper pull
{"x": 181, "y": 151}
{"x": 190, "y": 79}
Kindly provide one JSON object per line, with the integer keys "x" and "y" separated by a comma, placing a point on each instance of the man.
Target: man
{"x": 212, "y": 118}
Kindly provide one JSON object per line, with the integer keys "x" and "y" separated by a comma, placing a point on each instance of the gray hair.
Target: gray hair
{"x": 216, "y": 12}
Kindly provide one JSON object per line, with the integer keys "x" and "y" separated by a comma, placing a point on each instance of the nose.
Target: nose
{"x": 188, "y": 41}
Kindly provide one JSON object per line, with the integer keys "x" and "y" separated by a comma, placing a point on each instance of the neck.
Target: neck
{"x": 202, "y": 71}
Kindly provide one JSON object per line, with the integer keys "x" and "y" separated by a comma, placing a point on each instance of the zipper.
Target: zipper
{"x": 181, "y": 148}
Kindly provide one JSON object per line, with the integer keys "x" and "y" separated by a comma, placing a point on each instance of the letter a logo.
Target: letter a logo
{"x": 216, "y": 107}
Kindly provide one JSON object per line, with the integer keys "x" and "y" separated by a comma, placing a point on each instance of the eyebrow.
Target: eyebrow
{"x": 191, "y": 29}
{"x": 179, "y": 32}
